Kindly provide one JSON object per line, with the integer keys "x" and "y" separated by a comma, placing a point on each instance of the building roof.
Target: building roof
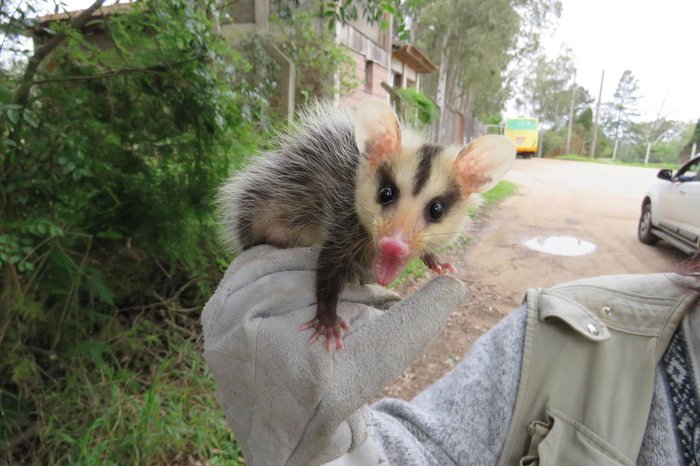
{"x": 99, "y": 13}
{"x": 414, "y": 58}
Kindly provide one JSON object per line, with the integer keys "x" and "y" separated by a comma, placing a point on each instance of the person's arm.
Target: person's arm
{"x": 463, "y": 418}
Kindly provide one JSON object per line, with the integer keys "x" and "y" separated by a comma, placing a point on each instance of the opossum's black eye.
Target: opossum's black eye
{"x": 436, "y": 210}
{"x": 387, "y": 194}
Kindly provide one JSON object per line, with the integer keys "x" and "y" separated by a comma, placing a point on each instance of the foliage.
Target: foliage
{"x": 493, "y": 120}
{"x": 374, "y": 12}
{"x": 546, "y": 91}
{"x": 693, "y": 139}
{"x": 316, "y": 56}
{"x": 416, "y": 108}
{"x": 108, "y": 246}
{"x": 664, "y": 139}
{"x": 471, "y": 39}
{"x": 475, "y": 42}
{"x": 387, "y": 14}
{"x": 619, "y": 113}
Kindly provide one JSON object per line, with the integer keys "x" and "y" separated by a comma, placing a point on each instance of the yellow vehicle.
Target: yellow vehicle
{"x": 524, "y": 133}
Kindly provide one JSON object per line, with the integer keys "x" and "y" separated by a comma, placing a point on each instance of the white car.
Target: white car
{"x": 671, "y": 209}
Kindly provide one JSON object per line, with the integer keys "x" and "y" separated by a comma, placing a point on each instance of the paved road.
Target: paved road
{"x": 596, "y": 203}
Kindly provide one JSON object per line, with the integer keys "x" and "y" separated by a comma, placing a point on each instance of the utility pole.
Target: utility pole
{"x": 571, "y": 115}
{"x": 595, "y": 120}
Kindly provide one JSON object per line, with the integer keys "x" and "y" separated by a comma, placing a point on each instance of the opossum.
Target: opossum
{"x": 372, "y": 195}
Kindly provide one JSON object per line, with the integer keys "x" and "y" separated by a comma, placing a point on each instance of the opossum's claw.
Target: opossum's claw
{"x": 450, "y": 268}
{"x": 329, "y": 330}
{"x": 309, "y": 324}
{"x": 440, "y": 268}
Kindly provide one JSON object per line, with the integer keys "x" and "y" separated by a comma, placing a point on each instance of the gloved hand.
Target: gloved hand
{"x": 289, "y": 402}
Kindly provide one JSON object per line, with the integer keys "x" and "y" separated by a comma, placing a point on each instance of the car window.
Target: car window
{"x": 689, "y": 172}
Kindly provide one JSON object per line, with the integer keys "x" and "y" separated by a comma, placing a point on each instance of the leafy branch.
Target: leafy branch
{"x": 22, "y": 93}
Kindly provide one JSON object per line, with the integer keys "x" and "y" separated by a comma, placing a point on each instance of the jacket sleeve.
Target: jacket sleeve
{"x": 464, "y": 417}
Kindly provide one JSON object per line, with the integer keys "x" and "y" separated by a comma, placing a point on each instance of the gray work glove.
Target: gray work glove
{"x": 289, "y": 402}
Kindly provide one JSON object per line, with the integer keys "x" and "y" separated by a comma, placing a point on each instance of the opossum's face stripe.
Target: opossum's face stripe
{"x": 421, "y": 176}
{"x": 426, "y": 155}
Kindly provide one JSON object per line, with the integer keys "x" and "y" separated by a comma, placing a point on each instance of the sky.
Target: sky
{"x": 657, "y": 41}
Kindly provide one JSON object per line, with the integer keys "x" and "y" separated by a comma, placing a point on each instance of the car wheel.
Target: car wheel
{"x": 644, "y": 230}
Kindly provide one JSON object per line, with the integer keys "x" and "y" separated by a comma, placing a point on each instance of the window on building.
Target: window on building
{"x": 398, "y": 80}
{"x": 369, "y": 74}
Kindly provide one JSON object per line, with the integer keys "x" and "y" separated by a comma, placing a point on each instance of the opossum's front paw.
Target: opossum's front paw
{"x": 329, "y": 328}
{"x": 434, "y": 264}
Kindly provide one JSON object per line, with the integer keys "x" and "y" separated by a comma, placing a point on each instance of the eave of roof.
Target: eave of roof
{"x": 99, "y": 13}
{"x": 413, "y": 57}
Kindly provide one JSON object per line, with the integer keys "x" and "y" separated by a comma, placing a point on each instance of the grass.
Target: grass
{"x": 154, "y": 403}
{"x": 580, "y": 158}
{"x": 417, "y": 269}
{"x": 499, "y": 192}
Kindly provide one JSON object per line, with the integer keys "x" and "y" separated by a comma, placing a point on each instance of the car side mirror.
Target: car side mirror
{"x": 665, "y": 175}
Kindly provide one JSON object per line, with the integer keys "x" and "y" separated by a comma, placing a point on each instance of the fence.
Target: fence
{"x": 457, "y": 128}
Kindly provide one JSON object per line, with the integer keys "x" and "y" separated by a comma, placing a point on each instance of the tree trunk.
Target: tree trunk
{"x": 571, "y": 117}
{"x": 597, "y": 113}
{"x": 442, "y": 86}
{"x": 646, "y": 157}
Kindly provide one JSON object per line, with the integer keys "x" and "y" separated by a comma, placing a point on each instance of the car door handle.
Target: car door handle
{"x": 681, "y": 191}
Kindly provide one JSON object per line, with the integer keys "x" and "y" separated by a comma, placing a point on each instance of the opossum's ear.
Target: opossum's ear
{"x": 377, "y": 131}
{"x": 484, "y": 162}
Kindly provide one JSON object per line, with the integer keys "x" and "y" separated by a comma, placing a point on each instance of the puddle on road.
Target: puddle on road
{"x": 560, "y": 245}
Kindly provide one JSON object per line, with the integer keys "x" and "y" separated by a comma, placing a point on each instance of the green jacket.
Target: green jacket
{"x": 587, "y": 373}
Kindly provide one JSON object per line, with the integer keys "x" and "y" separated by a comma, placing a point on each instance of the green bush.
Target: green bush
{"x": 417, "y": 109}
{"x": 107, "y": 238}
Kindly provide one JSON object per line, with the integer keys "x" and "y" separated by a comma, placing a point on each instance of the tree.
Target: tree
{"x": 474, "y": 42}
{"x": 694, "y": 141}
{"x": 623, "y": 108}
{"x": 659, "y": 140}
{"x": 546, "y": 92}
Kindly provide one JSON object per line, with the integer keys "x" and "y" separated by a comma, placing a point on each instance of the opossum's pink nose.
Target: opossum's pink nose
{"x": 394, "y": 245}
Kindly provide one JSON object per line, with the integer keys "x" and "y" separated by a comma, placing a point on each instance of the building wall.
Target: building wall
{"x": 379, "y": 74}
{"x": 409, "y": 75}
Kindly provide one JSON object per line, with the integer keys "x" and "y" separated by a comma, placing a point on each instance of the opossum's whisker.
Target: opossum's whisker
{"x": 393, "y": 214}
{"x": 442, "y": 234}
{"x": 415, "y": 224}
{"x": 374, "y": 217}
